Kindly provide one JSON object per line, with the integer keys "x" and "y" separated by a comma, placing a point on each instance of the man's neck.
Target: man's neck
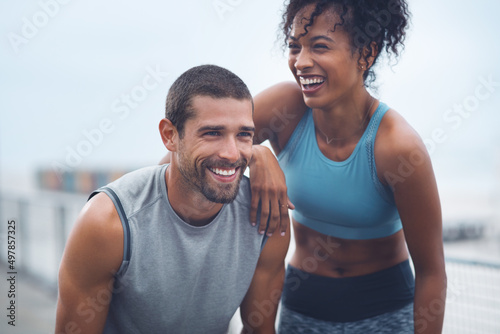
{"x": 192, "y": 207}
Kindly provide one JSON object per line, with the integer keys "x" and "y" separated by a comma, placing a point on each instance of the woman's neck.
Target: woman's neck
{"x": 346, "y": 120}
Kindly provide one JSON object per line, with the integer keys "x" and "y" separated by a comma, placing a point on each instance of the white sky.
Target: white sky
{"x": 72, "y": 69}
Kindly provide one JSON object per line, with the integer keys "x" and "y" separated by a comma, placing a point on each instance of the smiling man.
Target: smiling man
{"x": 170, "y": 248}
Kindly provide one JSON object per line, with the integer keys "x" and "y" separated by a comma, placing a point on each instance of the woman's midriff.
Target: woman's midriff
{"x": 329, "y": 256}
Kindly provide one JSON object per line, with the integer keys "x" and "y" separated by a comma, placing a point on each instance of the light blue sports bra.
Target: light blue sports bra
{"x": 342, "y": 199}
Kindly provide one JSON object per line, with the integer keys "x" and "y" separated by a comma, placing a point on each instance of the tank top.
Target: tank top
{"x": 175, "y": 277}
{"x": 344, "y": 199}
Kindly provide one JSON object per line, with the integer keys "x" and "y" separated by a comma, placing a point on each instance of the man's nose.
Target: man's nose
{"x": 229, "y": 150}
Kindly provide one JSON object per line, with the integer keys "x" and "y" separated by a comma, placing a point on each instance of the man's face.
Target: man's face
{"x": 216, "y": 147}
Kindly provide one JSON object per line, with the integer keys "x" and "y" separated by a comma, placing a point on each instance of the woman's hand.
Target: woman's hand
{"x": 267, "y": 182}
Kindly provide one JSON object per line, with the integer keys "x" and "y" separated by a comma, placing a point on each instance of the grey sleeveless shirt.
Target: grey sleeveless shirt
{"x": 177, "y": 278}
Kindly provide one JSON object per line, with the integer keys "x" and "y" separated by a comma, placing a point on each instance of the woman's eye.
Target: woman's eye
{"x": 293, "y": 49}
{"x": 321, "y": 46}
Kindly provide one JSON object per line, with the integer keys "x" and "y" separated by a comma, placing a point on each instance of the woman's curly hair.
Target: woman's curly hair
{"x": 366, "y": 21}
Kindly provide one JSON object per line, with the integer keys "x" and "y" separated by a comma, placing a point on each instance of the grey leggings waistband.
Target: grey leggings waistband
{"x": 395, "y": 322}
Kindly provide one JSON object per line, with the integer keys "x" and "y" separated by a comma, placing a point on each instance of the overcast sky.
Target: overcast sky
{"x": 71, "y": 70}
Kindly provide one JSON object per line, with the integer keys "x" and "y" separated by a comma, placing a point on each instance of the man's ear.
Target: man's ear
{"x": 169, "y": 134}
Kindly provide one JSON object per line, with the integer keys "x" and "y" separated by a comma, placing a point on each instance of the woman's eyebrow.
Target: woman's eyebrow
{"x": 314, "y": 39}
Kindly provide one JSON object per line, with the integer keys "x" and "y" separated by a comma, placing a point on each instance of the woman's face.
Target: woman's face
{"x": 322, "y": 61}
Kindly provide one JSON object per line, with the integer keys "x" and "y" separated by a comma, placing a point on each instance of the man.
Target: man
{"x": 170, "y": 248}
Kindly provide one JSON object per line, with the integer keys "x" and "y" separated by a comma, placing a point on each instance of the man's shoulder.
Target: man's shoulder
{"x": 98, "y": 227}
{"x": 242, "y": 204}
{"x": 137, "y": 181}
{"x": 244, "y": 196}
{"x": 137, "y": 188}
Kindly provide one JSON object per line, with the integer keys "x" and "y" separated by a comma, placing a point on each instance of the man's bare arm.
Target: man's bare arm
{"x": 92, "y": 256}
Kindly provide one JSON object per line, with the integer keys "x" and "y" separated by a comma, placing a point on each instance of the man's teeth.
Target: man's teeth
{"x": 224, "y": 172}
{"x": 307, "y": 81}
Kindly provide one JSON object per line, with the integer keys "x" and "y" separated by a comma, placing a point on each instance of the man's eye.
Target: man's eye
{"x": 212, "y": 133}
{"x": 246, "y": 134}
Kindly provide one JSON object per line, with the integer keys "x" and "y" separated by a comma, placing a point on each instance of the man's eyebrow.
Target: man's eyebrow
{"x": 248, "y": 128}
{"x": 211, "y": 128}
{"x": 220, "y": 127}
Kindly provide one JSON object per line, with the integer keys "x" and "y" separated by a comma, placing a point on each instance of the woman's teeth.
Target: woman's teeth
{"x": 310, "y": 81}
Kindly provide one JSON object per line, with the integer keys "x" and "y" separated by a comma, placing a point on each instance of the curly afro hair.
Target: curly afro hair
{"x": 373, "y": 24}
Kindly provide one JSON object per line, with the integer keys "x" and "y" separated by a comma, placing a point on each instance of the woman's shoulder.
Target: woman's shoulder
{"x": 278, "y": 110}
{"x": 286, "y": 92}
{"x": 396, "y": 143}
{"x": 396, "y": 133}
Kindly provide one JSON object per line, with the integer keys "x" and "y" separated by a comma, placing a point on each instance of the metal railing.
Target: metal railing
{"x": 43, "y": 222}
{"x": 473, "y": 297}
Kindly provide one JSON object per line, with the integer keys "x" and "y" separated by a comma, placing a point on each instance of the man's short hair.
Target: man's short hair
{"x": 204, "y": 80}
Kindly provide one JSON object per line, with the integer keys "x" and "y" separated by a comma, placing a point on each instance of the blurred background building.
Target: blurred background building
{"x": 83, "y": 86}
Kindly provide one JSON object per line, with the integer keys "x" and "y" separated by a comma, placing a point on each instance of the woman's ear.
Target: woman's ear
{"x": 169, "y": 134}
{"x": 368, "y": 56}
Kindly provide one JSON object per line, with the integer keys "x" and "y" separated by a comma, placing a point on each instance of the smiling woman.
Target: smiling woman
{"x": 353, "y": 226}
{"x": 366, "y": 27}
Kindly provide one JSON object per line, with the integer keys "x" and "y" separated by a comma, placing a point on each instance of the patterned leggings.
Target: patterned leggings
{"x": 395, "y": 322}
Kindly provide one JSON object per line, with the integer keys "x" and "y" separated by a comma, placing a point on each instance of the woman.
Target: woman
{"x": 359, "y": 176}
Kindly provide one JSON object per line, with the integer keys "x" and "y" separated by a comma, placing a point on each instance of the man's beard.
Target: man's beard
{"x": 196, "y": 179}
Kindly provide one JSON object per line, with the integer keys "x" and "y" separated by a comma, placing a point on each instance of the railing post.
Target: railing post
{"x": 22, "y": 227}
{"x": 61, "y": 226}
